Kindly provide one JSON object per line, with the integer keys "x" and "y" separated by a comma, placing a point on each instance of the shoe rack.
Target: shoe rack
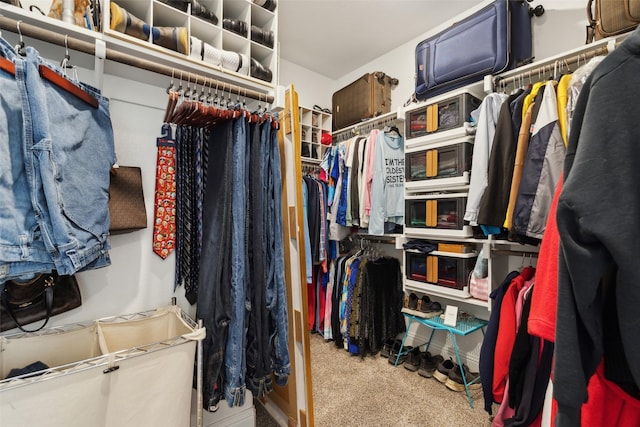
{"x": 313, "y": 123}
{"x": 158, "y": 14}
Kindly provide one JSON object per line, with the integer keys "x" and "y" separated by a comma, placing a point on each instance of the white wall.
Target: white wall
{"x": 558, "y": 30}
{"x": 137, "y": 279}
{"x": 313, "y": 88}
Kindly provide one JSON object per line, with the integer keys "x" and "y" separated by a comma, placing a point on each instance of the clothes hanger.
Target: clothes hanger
{"x": 172, "y": 100}
{"x": 193, "y": 111}
{"x": 7, "y": 66}
{"x": 20, "y": 46}
{"x": 63, "y": 82}
{"x": 186, "y": 106}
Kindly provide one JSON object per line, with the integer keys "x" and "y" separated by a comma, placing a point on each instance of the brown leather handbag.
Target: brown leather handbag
{"x": 127, "y": 212}
{"x": 40, "y": 298}
{"x": 611, "y": 17}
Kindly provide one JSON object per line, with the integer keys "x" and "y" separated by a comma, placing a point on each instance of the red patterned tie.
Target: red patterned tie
{"x": 164, "y": 220}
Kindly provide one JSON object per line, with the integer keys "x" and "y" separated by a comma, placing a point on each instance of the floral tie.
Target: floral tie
{"x": 164, "y": 220}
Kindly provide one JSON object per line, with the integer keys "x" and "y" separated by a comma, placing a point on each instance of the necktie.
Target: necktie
{"x": 164, "y": 208}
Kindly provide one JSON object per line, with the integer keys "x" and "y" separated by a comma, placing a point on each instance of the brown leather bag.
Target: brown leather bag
{"x": 44, "y": 296}
{"x": 611, "y": 17}
{"x": 127, "y": 212}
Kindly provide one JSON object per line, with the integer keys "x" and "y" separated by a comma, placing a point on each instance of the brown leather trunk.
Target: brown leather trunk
{"x": 367, "y": 97}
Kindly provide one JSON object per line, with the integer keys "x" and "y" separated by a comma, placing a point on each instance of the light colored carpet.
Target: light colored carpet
{"x": 350, "y": 391}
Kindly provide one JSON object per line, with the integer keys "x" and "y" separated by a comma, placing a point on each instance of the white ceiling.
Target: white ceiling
{"x": 335, "y": 37}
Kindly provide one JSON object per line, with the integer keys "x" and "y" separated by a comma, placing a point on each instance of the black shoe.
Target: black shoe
{"x": 393, "y": 354}
{"x": 442, "y": 371}
{"x": 429, "y": 364}
{"x": 413, "y": 359}
{"x": 387, "y": 345}
{"x": 423, "y": 305}
{"x": 455, "y": 382}
{"x": 411, "y": 301}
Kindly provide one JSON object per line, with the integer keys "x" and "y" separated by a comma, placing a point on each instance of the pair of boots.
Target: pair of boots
{"x": 174, "y": 38}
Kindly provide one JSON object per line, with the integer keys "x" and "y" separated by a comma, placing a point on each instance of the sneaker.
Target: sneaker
{"x": 429, "y": 364}
{"x": 423, "y": 305}
{"x": 411, "y": 301}
{"x": 393, "y": 354}
{"x": 413, "y": 360}
{"x": 455, "y": 382}
{"x": 386, "y": 346}
{"x": 442, "y": 370}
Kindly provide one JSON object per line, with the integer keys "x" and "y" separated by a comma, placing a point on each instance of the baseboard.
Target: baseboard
{"x": 238, "y": 416}
{"x": 275, "y": 412}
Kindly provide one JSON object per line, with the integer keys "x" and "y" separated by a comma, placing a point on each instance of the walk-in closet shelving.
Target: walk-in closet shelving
{"x": 160, "y": 14}
{"x": 241, "y": 13}
{"x": 313, "y": 123}
{"x": 438, "y": 146}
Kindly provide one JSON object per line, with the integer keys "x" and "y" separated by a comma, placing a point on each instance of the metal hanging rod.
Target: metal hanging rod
{"x": 374, "y": 239}
{"x": 73, "y": 43}
{"x": 514, "y": 253}
{"x": 308, "y": 168}
{"x": 366, "y": 126}
{"x": 539, "y": 71}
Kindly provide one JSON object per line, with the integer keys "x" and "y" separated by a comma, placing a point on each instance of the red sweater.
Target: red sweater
{"x": 507, "y": 330}
{"x": 544, "y": 299}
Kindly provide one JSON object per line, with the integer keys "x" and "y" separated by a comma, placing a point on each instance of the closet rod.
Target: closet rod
{"x": 378, "y": 239}
{"x": 553, "y": 64}
{"x": 514, "y": 253}
{"x": 49, "y": 36}
{"x": 365, "y": 126}
{"x": 541, "y": 73}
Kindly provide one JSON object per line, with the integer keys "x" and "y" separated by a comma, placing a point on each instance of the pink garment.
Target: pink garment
{"x": 505, "y": 410}
{"x": 373, "y": 136}
{"x": 328, "y": 304}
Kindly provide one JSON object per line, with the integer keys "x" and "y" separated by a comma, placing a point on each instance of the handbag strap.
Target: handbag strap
{"x": 48, "y": 298}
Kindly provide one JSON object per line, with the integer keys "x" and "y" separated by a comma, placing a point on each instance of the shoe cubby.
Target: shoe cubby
{"x": 313, "y": 123}
{"x": 217, "y": 33}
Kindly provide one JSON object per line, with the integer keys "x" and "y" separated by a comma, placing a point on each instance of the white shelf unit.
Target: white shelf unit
{"x": 313, "y": 123}
{"x": 503, "y": 256}
{"x": 118, "y": 43}
{"x": 159, "y": 14}
{"x": 500, "y": 254}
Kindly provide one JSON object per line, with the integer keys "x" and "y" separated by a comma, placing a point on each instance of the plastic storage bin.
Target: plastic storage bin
{"x": 440, "y": 272}
{"x": 441, "y": 117}
{"x": 438, "y": 215}
{"x": 443, "y": 165}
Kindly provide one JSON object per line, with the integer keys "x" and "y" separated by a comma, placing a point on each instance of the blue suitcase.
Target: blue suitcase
{"x": 496, "y": 38}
